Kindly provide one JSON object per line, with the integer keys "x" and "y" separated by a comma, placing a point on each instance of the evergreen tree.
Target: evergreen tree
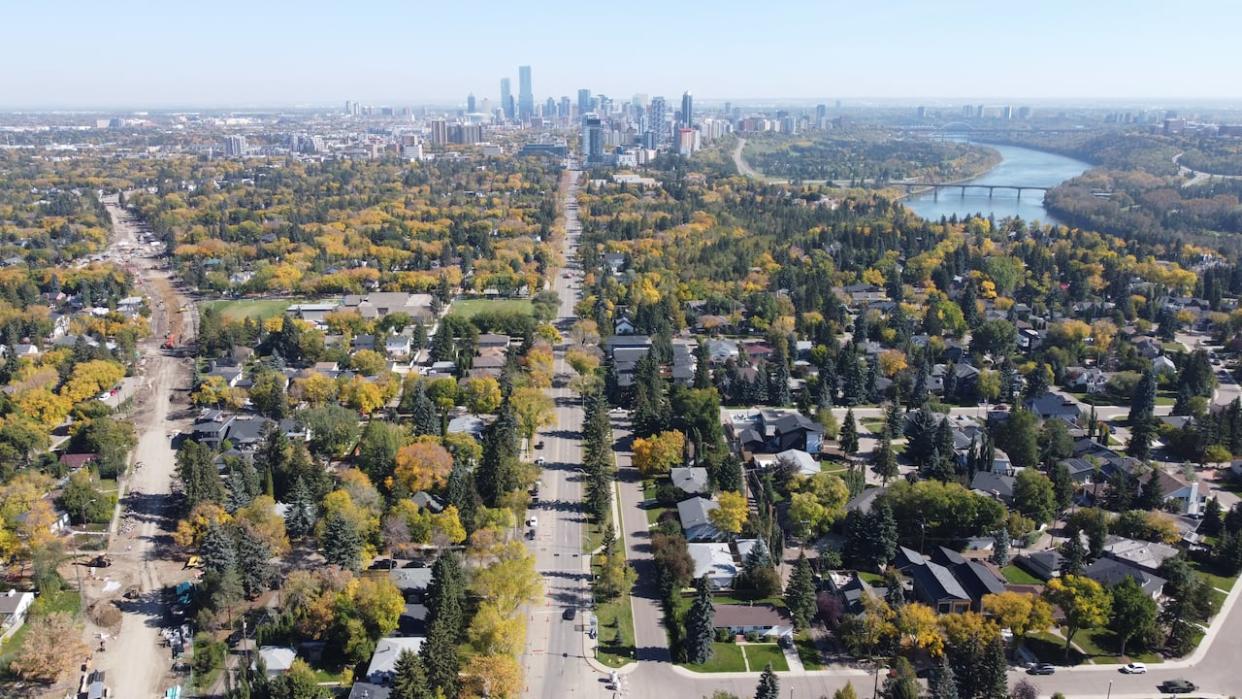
{"x": 1211, "y": 524}
{"x": 942, "y": 684}
{"x": 199, "y": 476}
{"x": 442, "y": 347}
{"x": 849, "y": 434}
{"x": 445, "y": 595}
{"x": 886, "y": 459}
{"x": 1000, "y": 546}
{"x": 302, "y": 514}
{"x": 1074, "y": 555}
{"x": 217, "y": 551}
{"x": 1143, "y": 403}
{"x": 253, "y": 561}
{"x": 800, "y": 593}
{"x": 342, "y": 543}
{"x": 409, "y": 681}
{"x": 699, "y": 624}
{"x": 919, "y": 394}
{"x": 423, "y": 412}
{"x": 1062, "y": 486}
{"x": 1151, "y": 497}
{"x": 769, "y": 687}
{"x": 994, "y": 669}
{"x": 1141, "y": 435}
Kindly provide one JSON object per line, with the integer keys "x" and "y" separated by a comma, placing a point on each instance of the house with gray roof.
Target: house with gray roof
{"x": 691, "y": 480}
{"x": 1110, "y": 571}
{"x": 714, "y": 560}
{"x": 696, "y": 521}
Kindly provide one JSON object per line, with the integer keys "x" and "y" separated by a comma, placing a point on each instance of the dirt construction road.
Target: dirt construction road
{"x": 136, "y": 664}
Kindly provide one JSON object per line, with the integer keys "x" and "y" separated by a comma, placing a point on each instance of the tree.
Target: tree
{"x": 342, "y": 542}
{"x": 51, "y": 648}
{"x": 769, "y": 686}
{"x": 267, "y": 394}
{"x": 849, "y": 434}
{"x": 1019, "y": 438}
{"x": 423, "y": 465}
{"x": 422, "y": 409}
{"x": 800, "y": 593}
{"x": 510, "y": 580}
{"x": 655, "y": 455}
{"x": 377, "y": 449}
{"x": 1133, "y": 614}
{"x": 1073, "y": 554}
{"x": 253, "y": 560}
{"x": 1062, "y": 485}
{"x": 699, "y": 624}
{"x": 917, "y": 629}
{"x": 994, "y": 669}
{"x": 1000, "y": 547}
{"x": 885, "y": 459}
{"x": 1020, "y": 613}
{"x": 303, "y": 513}
{"x": 846, "y": 692}
{"x": 494, "y": 676}
{"x": 198, "y": 473}
{"x": 1023, "y": 689}
{"x": 84, "y": 502}
{"x": 901, "y": 683}
{"x": 494, "y": 633}
{"x": 409, "y": 680}
{"x": 1033, "y": 496}
{"x": 731, "y": 513}
{"x": 942, "y": 684}
{"x": 1085, "y": 603}
{"x": 533, "y": 409}
{"x": 481, "y": 394}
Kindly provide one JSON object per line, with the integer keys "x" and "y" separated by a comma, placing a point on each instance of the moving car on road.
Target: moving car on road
{"x": 1134, "y": 669}
{"x": 569, "y": 613}
{"x": 1042, "y": 669}
{"x": 1177, "y": 686}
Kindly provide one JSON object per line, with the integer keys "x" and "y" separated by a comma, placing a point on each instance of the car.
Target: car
{"x": 105, "y": 395}
{"x": 532, "y": 521}
{"x": 539, "y": 461}
{"x": 1134, "y": 669}
{"x": 1177, "y": 686}
{"x": 569, "y": 614}
{"x": 1042, "y": 669}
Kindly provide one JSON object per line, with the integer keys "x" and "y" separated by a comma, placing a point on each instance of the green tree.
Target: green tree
{"x": 769, "y": 687}
{"x": 303, "y": 513}
{"x": 1019, "y": 438}
{"x": 342, "y": 542}
{"x": 885, "y": 459}
{"x": 942, "y": 684}
{"x": 994, "y": 669}
{"x": 699, "y": 624}
{"x": 199, "y": 476}
{"x": 800, "y": 593}
{"x": 849, "y": 434}
{"x": 409, "y": 681}
{"x": 217, "y": 550}
{"x": 1034, "y": 496}
{"x": 1133, "y": 614}
{"x": 377, "y": 449}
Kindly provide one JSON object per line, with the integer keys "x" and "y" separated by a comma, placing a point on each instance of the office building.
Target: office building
{"x": 592, "y": 139}
{"x": 549, "y": 109}
{"x": 566, "y": 108}
{"x": 687, "y": 109}
{"x": 526, "y": 97}
{"x": 506, "y": 98}
{"x": 439, "y": 132}
{"x": 584, "y": 101}
{"x": 471, "y": 104}
{"x": 687, "y": 141}
{"x": 1007, "y": 113}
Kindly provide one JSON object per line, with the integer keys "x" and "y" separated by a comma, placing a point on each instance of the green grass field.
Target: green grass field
{"x": 469, "y": 308}
{"x": 760, "y": 654}
{"x": 241, "y": 309}
{"x": 1102, "y": 646}
{"x": 726, "y": 657}
{"x": 615, "y": 618}
{"x": 1213, "y": 577}
{"x": 807, "y": 652}
{"x": 1019, "y": 576}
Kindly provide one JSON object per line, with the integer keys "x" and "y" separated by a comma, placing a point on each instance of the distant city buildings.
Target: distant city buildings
{"x": 687, "y": 109}
{"x": 506, "y": 98}
{"x": 526, "y": 96}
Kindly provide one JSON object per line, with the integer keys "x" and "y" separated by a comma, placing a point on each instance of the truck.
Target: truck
{"x": 170, "y": 341}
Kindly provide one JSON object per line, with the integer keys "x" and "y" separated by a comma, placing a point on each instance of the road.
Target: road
{"x": 553, "y": 661}
{"x": 146, "y": 495}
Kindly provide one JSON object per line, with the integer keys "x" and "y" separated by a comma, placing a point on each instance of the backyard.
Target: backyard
{"x": 469, "y": 308}
{"x": 242, "y": 309}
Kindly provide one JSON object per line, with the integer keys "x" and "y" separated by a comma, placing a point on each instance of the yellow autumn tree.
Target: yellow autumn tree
{"x": 657, "y": 454}
{"x": 732, "y": 512}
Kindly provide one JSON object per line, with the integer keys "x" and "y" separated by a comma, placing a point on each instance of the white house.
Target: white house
{"x": 714, "y": 560}
{"x": 761, "y": 619}
{"x": 14, "y": 606}
{"x": 384, "y": 660}
{"x": 277, "y": 659}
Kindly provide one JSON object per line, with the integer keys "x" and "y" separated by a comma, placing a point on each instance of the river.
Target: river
{"x": 1018, "y": 166}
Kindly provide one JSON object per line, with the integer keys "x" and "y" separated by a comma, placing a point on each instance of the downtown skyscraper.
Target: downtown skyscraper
{"x": 526, "y": 96}
{"x": 687, "y": 109}
{"x": 506, "y": 98}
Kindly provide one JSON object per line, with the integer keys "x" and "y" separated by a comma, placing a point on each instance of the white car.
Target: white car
{"x": 532, "y": 522}
{"x": 539, "y": 461}
{"x": 1135, "y": 669}
{"x": 105, "y": 395}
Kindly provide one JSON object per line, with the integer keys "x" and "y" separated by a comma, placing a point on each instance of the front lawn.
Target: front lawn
{"x": 1018, "y": 576}
{"x": 807, "y": 652}
{"x": 760, "y": 654}
{"x": 469, "y": 308}
{"x": 726, "y": 657}
{"x": 1213, "y": 576}
{"x": 719, "y": 598}
{"x": 871, "y": 578}
{"x": 1102, "y": 647}
{"x": 1051, "y": 649}
{"x": 875, "y": 424}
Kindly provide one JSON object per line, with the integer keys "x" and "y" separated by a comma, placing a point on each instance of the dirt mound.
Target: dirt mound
{"x": 104, "y": 613}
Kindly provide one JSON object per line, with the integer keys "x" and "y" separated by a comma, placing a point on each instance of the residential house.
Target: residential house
{"x": 795, "y": 460}
{"x": 384, "y": 659}
{"x": 974, "y": 577}
{"x": 714, "y": 560}
{"x": 1110, "y": 572}
{"x": 1145, "y": 555}
{"x": 14, "y": 606}
{"x": 994, "y": 485}
{"x": 691, "y": 480}
{"x": 398, "y": 345}
{"x": 277, "y": 659}
{"x": 1044, "y": 565}
{"x": 851, "y": 589}
{"x": 1049, "y": 405}
{"x": 934, "y": 584}
{"x": 382, "y": 303}
{"x": 696, "y": 521}
{"x": 1088, "y": 379}
{"x": 1173, "y": 490}
{"x": 492, "y": 341}
{"x": 412, "y": 582}
{"x": 74, "y": 462}
{"x": 1163, "y": 366}
{"x": 760, "y": 618}
{"x": 773, "y": 430}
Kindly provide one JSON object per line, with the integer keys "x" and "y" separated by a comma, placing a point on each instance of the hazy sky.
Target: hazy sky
{"x": 79, "y": 53}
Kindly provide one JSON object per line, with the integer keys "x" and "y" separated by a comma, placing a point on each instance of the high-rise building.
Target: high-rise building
{"x": 549, "y": 108}
{"x": 439, "y": 132}
{"x": 506, "y": 98}
{"x": 687, "y": 109}
{"x": 565, "y": 109}
{"x": 584, "y": 101}
{"x": 526, "y": 97}
{"x": 658, "y": 120}
{"x": 349, "y": 107}
{"x": 592, "y": 138}
{"x": 1007, "y": 113}
{"x": 235, "y": 145}
{"x": 471, "y": 104}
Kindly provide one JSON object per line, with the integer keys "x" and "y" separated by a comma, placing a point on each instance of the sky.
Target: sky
{"x": 267, "y": 53}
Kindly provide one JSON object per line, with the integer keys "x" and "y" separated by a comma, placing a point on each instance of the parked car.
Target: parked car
{"x": 1042, "y": 669}
{"x": 532, "y": 521}
{"x": 540, "y": 461}
{"x": 1134, "y": 669}
{"x": 1177, "y": 686}
{"x": 569, "y": 614}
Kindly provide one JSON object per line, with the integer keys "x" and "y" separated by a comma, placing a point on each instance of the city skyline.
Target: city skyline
{"x": 111, "y": 57}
